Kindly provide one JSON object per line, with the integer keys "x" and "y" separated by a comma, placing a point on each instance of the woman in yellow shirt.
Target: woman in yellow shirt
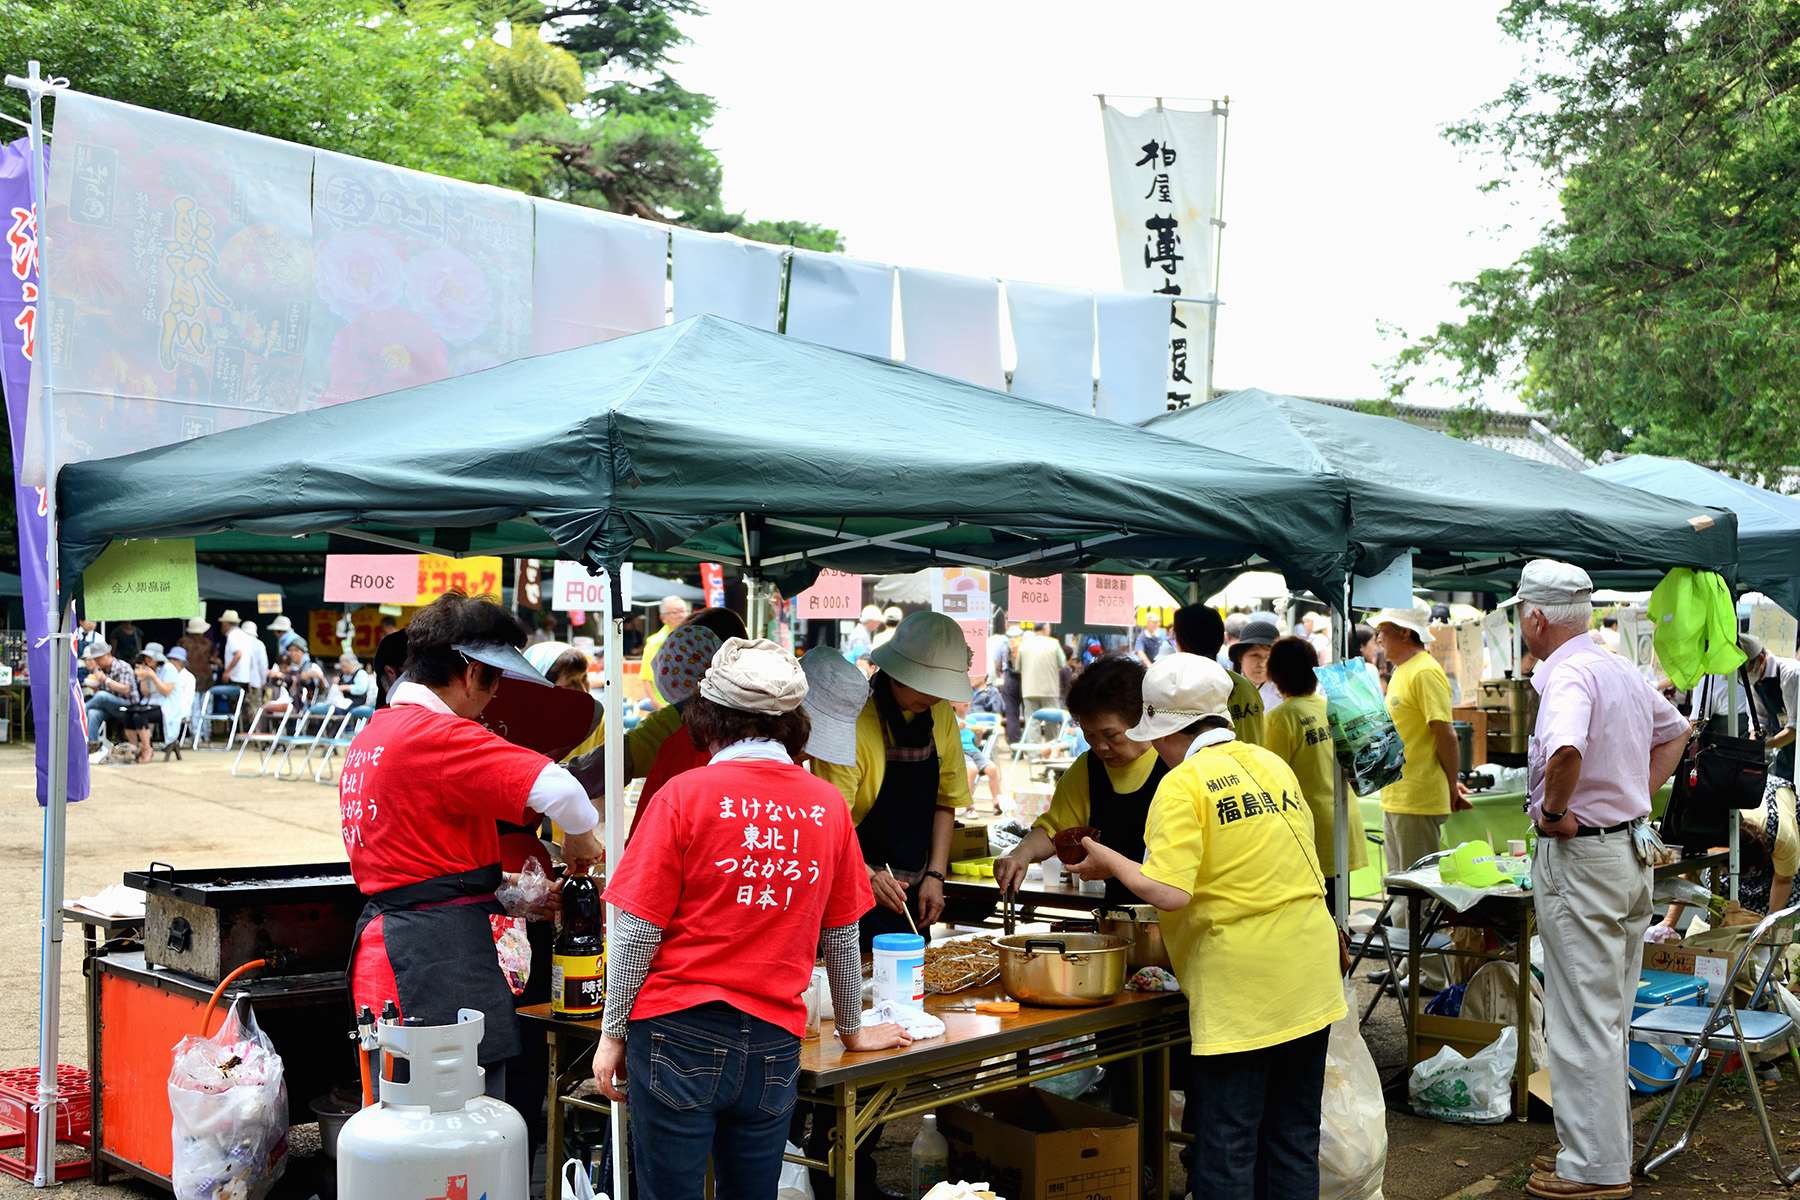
{"x": 1299, "y": 734}
{"x": 1229, "y": 860}
{"x": 1109, "y": 786}
{"x": 909, "y": 777}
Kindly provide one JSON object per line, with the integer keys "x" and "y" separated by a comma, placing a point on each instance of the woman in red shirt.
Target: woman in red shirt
{"x": 420, "y": 792}
{"x": 740, "y": 872}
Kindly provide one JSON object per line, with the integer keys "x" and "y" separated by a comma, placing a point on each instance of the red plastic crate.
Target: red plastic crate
{"x": 74, "y": 1115}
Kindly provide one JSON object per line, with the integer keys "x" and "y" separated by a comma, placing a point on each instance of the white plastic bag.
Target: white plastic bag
{"x": 1475, "y": 1090}
{"x": 575, "y": 1182}
{"x": 230, "y": 1107}
{"x": 796, "y": 1181}
{"x": 1352, "y": 1117}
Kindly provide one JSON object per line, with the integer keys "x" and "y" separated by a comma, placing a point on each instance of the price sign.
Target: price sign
{"x": 834, "y": 596}
{"x": 976, "y": 634}
{"x": 268, "y": 602}
{"x": 473, "y": 577}
{"x": 372, "y": 578}
{"x": 1034, "y": 599}
{"x": 574, "y": 588}
{"x": 1111, "y": 600}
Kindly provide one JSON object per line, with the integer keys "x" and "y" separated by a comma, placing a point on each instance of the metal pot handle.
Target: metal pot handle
{"x": 1078, "y": 925}
{"x": 1056, "y": 944}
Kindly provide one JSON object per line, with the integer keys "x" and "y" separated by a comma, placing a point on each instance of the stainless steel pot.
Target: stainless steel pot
{"x": 1142, "y": 924}
{"x": 1065, "y": 970}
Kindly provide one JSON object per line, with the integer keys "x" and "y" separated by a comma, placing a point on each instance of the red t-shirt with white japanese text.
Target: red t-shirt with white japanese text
{"x": 419, "y": 794}
{"x": 741, "y": 864}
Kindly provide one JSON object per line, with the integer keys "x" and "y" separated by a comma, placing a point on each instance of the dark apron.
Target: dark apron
{"x": 896, "y": 831}
{"x": 1120, "y": 818}
{"x": 440, "y": 946}
{"x": 1768, "y": 690}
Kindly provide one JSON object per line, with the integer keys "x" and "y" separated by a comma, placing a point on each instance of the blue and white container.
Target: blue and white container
{"x": 1654, "y": 1068}
{"x": 899, "y": 973}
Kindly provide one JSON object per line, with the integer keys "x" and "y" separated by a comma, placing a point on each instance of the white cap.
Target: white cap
{"x": 836, "y": 694}
{"x": 870, "y": 613}
{"x": 1180, "y": 689}
{"x": 1417, "y": 618}
{"x": 929, "y": 654}
{"x": 1546, "y": 581}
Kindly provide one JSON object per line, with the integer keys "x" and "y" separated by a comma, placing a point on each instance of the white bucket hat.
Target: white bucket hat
{"x": 836, "y": 694}
{"x": 196, "y": 625}
{"x": 1417, "y": 618}
{"x": 230, "y": 617}
{"x": 684, "y": 657}
{"x": 929, "y": 654}
{"x": 153, "y": 651}
{"x": 281, "y": 624}
{"x": 1180, "y": 689}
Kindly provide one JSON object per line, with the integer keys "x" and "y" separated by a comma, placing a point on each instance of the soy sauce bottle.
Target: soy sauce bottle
{"x": 578, "y": 959}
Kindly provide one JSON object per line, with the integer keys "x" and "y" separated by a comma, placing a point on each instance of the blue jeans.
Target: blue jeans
{"x": 710, "y": 1080}
{"x": 100, "y": 706}
{"x": 1256, "y": 1117}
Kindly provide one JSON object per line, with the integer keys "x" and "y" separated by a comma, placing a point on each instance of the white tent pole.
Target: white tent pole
{"x": 614, "y": 702}
{"x": 56, "y": 798}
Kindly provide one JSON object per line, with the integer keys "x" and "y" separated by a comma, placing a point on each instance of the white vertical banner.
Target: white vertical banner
{"x": 1133, "y": 337}
{"x": 1053, "y": 332}
{"x": 728, "y": 277}
{"x": 597, "y": 276}
{"x": 844, "y": 303}
{"x": 1163, "y": 165}
{"x": 951, "y": 325}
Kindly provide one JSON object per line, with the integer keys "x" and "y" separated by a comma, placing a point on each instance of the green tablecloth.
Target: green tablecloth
{"x": 1502, "y": 813}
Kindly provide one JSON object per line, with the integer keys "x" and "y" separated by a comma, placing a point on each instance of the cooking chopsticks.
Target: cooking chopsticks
{"x": 905, "y": 909}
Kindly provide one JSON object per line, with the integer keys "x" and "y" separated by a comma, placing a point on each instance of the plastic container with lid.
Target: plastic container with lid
{"x": 899, "y": 973}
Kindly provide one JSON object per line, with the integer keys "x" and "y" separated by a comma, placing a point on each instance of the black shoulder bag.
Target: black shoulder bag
{"x": 1717, "y": 773}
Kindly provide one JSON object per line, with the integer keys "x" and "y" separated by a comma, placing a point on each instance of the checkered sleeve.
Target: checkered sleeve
{"x": 843, "y": 967}
{"x": 628, "y": 954}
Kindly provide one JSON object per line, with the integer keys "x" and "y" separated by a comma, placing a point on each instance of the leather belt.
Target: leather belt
{"x": 1590, "y": 830}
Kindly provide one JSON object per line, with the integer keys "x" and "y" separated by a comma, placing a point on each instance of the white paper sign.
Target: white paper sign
{"x": 1775, "y": 628}
{"x": 1496, "y": 631}
{"x": 1053, "y": 335}
{"x": 1390, "y": 588}
{"x": 841, "y": 302}
{"x": 950, "y": 324}
{"x": 960, "y": 592}
{"x": 576, "y": 588}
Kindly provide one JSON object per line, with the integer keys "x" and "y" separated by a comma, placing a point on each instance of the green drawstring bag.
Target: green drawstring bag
{"x": 1695, "y": 626}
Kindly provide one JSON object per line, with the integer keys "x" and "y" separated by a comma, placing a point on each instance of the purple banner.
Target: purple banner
{"x": 18, "y": 330}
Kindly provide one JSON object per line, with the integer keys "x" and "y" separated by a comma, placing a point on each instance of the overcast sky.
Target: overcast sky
{"x": 966, "y": 137}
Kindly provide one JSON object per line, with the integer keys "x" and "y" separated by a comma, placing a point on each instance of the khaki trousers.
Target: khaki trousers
{"x": 1406, "y": 838}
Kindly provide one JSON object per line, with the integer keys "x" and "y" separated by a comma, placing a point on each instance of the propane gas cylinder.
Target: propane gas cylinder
{"x": 433, "y": 1135}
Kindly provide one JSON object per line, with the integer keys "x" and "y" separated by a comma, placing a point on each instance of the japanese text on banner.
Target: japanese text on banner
{"x": 772, "y": 861}
{"x": 1034, "y": 599}
{"x": 834, "y": 596}
{"x": 439, "y": 574}
{"x": 1111, "y": 600}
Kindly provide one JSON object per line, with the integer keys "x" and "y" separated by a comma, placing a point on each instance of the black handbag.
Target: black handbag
{"x": 1720, "y": 772}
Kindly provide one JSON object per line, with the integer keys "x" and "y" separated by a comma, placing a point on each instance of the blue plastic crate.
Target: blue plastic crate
{"x": 1653, "y": 1068}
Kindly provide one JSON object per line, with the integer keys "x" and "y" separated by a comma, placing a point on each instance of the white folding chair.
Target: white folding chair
{"x": 270, "y": 739}
{"x": 210, "y": 721}
{"x": 346, "y": 733}
{"x": 1042, "y": 733}
{"x": 1728, "y": 1029}
{"x": 320, "y": 721}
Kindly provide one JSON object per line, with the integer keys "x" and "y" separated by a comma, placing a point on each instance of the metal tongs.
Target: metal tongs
{"x": 1007, "y": 902}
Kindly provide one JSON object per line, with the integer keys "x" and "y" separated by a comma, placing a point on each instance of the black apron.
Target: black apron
{"x": 896, "y": 831}
{"x": 440, "y": 945}
{"x": 1120, "y": 818}
{"x": 1768, "y": 690}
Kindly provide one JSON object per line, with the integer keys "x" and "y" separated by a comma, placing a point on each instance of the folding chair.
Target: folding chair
{"x": 346, "y": 733}
{"x": 270, "y": 739}
{"x": 1394, "y": 945}
{"x": 210, "y": 720}
{"x": 1728, "y": 1029}
{"x": 1036, "y": 739}
{"x": 317, "y": 718}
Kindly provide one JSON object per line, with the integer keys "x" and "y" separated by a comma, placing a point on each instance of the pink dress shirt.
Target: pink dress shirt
{"x": 1595, "y": 701}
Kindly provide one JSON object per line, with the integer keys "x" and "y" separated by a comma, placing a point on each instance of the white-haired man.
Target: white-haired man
{"x": 1605, "y": 742}
{"x": 673, "y": 610}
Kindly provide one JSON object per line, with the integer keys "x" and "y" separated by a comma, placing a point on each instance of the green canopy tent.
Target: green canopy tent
{"x": 712, "y": 441}
{"x": 1461, "y": 507}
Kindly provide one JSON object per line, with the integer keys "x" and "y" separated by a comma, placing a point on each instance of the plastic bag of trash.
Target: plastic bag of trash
{"x": 229, "y": 1101}
{"x": 1475, "y": 1090}
{"x": 1352, "y": 1117}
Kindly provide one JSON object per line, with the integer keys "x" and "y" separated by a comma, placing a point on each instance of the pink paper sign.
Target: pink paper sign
{"x": 1110, "y": 600}
{"x": 834, "y": 596}
{"x": 372, "y": 578}
{"x": 976, "y": 634}
{"x": 1034, "y": 599}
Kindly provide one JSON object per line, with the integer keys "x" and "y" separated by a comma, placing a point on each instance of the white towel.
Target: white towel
{"x": 918, "y": 1023}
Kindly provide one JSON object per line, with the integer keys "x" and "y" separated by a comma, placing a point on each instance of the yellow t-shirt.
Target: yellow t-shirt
{"x": 1299, "y": 735}
{"x": 647, "y": 669}
{"x": 1072, "y": 804}
{"x": 861, "y": 783}
{"x": 1246, "y": 708}
{"x": 1417, "y": 695}
{"x": 1254, "y": 948}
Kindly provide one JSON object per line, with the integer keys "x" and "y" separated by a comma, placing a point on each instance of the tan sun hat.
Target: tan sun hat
{"x": 929, "y": 654}
{"x": 1417, "y": 618}
{"x": 754, "y": 675}
{"x": 1180, "y": 689}
{"x": 230, "y": 617}
{"x": 281, "y": 624}
{"x": 196, "y": 625}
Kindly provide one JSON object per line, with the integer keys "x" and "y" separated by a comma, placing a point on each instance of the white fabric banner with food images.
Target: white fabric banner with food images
{"x": 1163, "y": 164}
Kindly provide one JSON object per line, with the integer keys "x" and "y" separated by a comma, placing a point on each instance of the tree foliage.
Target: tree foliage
{"x": 1658, "y": 314}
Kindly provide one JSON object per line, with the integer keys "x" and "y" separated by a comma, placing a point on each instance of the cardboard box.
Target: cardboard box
{"x": 1034, "y": 1145}
{"x": 1680, "y": 960}
{"x": 969, "y": 841}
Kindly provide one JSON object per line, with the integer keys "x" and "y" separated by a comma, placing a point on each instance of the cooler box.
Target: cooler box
{"x": 1653, "y": 1068}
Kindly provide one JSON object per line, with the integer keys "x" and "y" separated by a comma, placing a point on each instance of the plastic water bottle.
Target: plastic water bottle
{"x": 930, "y": 1158}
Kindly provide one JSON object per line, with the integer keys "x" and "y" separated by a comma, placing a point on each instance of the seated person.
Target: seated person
{"x": 981, "y": 766}
{"x": 300, "y": 677}
{"x": 354, "y": 686}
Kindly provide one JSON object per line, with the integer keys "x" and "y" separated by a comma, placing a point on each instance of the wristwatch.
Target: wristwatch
{"x": 1550, "y": 818}
{"x": 937, "y": 875}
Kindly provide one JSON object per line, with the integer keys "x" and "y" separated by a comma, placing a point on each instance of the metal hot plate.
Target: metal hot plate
{"x": 230, "y": 887}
